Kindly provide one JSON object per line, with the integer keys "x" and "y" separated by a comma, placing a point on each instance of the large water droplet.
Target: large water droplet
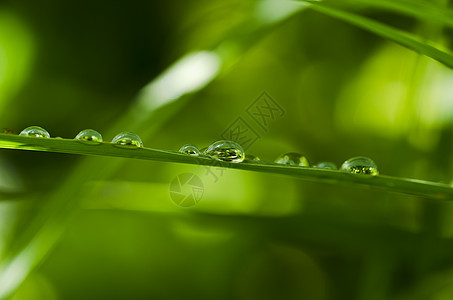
{"x": 35, "y": 131}
{"x": 326, "y": 165}
{"x": 89, "y": 136}
{"x": 226, "y": 151}
{"x": 360, "y": 165}
{"x": 190, "y": 150}
{"x": 293, "y": 159}
{"x": 127, "y": 140}
{"x": 251, "y": 157}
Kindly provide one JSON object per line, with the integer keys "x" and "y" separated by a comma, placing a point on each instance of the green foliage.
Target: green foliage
{"x": 413, "y": 42}
{"x": 103, "y": 225}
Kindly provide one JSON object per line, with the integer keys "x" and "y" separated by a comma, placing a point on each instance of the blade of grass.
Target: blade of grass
{"x": 409, "y": 186}
{"x": 422, "y": 10}
{"x": 401, "y": 37}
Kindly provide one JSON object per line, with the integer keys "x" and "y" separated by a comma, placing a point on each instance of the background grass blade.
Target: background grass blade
{"x": 422, "y": 10}
{"x": 403, "y": 38}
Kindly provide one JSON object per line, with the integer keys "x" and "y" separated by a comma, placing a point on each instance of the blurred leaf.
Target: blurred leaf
{"x": 403, "y": 38}
{"x": 16, "y": 52}
{"x": 420, "y": 9}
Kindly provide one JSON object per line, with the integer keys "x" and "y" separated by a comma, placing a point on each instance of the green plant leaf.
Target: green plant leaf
{"x": 401, "y": 37}
{"x": 409, "y": 186}
{"x": 422, "y": 10}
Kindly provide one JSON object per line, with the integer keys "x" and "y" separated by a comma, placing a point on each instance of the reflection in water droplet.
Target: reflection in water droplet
{"x": 326, "y": 165}
{"x": 190, "y": 149}
{"x": 127, "y": 140}
{"x": 251, "y": 157}
{"x": 293, "y": 159}
{"x": 35, "y": 131}
{"x": 89, "y": 136}
{"x": 360, "y": 165}
{"x": 226, "y": 151}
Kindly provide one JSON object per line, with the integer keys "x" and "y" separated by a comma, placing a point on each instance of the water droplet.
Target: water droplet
{"x": 293, "y": 159}
{"x": 251, "y": 157}
{"x": 35, "y": 131}
{"x": 190, "y": 149}
{"x": 89, "y": 136}
{"x": 127, "y": 140}
{"x": 326, "y": 165}
{"x": 360, "y": 165}
{"x": 226, "y": 151}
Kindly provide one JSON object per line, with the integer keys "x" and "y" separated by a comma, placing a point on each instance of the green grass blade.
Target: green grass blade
{"x": 403, "y": 38}
{"x": 422, "y": 10}
{"x": 395, "y": 184}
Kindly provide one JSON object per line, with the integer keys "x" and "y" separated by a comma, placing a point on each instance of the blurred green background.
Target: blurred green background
{"x": 114, "y": 232}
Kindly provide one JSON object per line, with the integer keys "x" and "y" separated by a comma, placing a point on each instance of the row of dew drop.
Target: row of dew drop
{"x": 88, "y": 136}
{"x": 232, "y": 152}
{"x": 221, "y": 150}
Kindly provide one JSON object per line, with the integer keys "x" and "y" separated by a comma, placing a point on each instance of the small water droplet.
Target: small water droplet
{"x": 190, "y": 150}
{"x": 360, "y": 165}
{"x": 35, "y": 131}
{"x": 251, "y": 157}
{"x": 226, "y": 151}
{"x": 89, "y": 136}
{"x": 293, "y": 159}
{"x": 127, "y": 140}
{"x": 326, "y": 165}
